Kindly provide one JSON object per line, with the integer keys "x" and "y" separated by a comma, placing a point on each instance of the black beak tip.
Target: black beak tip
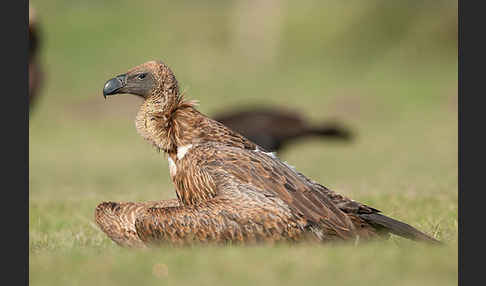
{"x": 113, "y": 86}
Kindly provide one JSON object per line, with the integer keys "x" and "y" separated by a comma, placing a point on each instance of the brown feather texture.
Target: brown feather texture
{"x": 229, "y": 190}
{"x": 117, "y": 220}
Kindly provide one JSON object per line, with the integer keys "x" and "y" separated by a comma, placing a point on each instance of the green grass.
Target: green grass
{"x": 278, "y": 265}
{"x": 389, "y": 72}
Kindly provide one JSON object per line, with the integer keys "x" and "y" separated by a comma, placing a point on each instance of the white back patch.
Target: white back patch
{"x": 182, "y": 150}
{"x": 274, "y": 155}
{"x": 271, "y": 154}
{"x": 172, "y": 167}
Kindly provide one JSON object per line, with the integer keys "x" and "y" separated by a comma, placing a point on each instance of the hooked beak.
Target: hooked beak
{"x": 114, "y": 85}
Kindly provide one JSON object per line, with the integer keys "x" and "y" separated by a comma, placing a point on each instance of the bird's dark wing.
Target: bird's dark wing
{"x": 344, "y": 203}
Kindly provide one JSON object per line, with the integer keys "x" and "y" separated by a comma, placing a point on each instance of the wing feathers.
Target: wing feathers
{"x": 271, "y": 177}
{"x": 117, "y": 220}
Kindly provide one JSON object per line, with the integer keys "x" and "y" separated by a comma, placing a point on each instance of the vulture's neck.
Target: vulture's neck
{"x": 170, "y": 127}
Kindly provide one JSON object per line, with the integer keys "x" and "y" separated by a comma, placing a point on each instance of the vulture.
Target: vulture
{"x": 229, "y": 189}
{"x": 35, "y": 73}
{"x": 273, "y": 128}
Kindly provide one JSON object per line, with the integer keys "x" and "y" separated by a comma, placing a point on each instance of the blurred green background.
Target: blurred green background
{"x": 388, "y": 69}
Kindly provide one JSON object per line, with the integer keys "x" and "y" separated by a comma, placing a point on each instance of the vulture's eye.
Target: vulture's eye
{"x": 142, "y": 76}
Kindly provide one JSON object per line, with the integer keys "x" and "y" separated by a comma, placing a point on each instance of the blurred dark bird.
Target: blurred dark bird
{"x": 35, "y": 73}
{"x": 228, "y": 189}
{"x": 273, "y": 128}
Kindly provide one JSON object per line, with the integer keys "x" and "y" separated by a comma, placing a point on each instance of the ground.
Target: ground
{"x": 393, "y": 79}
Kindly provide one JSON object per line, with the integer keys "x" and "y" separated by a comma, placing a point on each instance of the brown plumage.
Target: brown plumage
{"x": 228, "y": 189}
{"x": 274, "y": 128}
{"x": 117, "y": 220}
{"x": 35, "y": 73}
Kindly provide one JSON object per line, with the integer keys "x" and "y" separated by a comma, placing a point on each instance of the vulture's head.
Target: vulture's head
{"x": 151, "y": 80}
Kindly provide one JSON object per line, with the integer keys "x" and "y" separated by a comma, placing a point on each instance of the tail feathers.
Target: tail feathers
{"x": 331, "y": 130}
{"x": 397, "y": 227}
